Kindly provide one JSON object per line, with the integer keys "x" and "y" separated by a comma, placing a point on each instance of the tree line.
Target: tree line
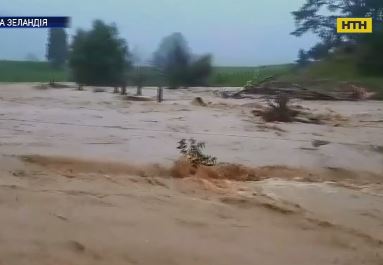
{"x": 100, "y": 57}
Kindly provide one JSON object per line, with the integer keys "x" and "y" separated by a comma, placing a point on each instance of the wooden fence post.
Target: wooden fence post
{"x": 160, "y": 94}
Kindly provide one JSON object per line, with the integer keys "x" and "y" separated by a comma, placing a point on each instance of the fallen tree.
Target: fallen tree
{"x": 278, "y": 109}
{"x": 306, "y": 91}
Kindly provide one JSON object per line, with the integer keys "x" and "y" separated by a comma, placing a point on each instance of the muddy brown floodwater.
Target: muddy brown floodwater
{"x": 94, "y": 178}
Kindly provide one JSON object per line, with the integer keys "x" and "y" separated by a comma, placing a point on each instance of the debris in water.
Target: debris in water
{"x": 198, "y": 101}
{"x": 318, "y": 143}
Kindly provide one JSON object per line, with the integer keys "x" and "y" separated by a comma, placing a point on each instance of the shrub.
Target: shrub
{"x": 279, "y": 110}
{"x": 192, "y": 151}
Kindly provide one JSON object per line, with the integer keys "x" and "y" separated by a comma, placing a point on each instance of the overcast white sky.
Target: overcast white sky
{"x": 237, "y": 33}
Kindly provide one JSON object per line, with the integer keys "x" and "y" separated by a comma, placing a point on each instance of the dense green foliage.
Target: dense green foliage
{"x": 177, "y": 66}
{"x": 370, "y": 54}
{"x": 319, "y": 17}
{"x": 199, "y": 71}
{"x": 99, "y": 56}
{"x": 303, "y": 58}
{"x": 57, "y": 47}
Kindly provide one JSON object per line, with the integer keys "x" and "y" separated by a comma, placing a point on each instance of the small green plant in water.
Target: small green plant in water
{"x": 192, "y": 150}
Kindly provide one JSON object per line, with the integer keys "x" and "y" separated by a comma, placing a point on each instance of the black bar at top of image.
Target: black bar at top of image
{"x": 53, "y": 22}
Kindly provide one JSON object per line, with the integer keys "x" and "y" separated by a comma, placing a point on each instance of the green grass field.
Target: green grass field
{"x": 238, "y": 76}
{"x": 24, "y": 71}
{"x": 335, "y": 69}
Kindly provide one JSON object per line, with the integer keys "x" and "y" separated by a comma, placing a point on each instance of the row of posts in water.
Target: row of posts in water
{"x": 160, "y": 92}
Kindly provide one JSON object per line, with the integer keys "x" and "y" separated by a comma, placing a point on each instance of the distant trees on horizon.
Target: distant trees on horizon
{"x": 57, "y": 47}
{"x": 178, "y": 65}
{"x": 100, "y": 57}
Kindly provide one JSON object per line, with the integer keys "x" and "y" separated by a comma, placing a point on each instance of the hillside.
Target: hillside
{"x": 339, "y": 68}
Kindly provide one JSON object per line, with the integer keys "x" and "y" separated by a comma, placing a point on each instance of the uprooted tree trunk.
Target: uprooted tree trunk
{"x": 313, "y": 90}
{"x": 278, "y": 110}
{"x": 249, "y": 86}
